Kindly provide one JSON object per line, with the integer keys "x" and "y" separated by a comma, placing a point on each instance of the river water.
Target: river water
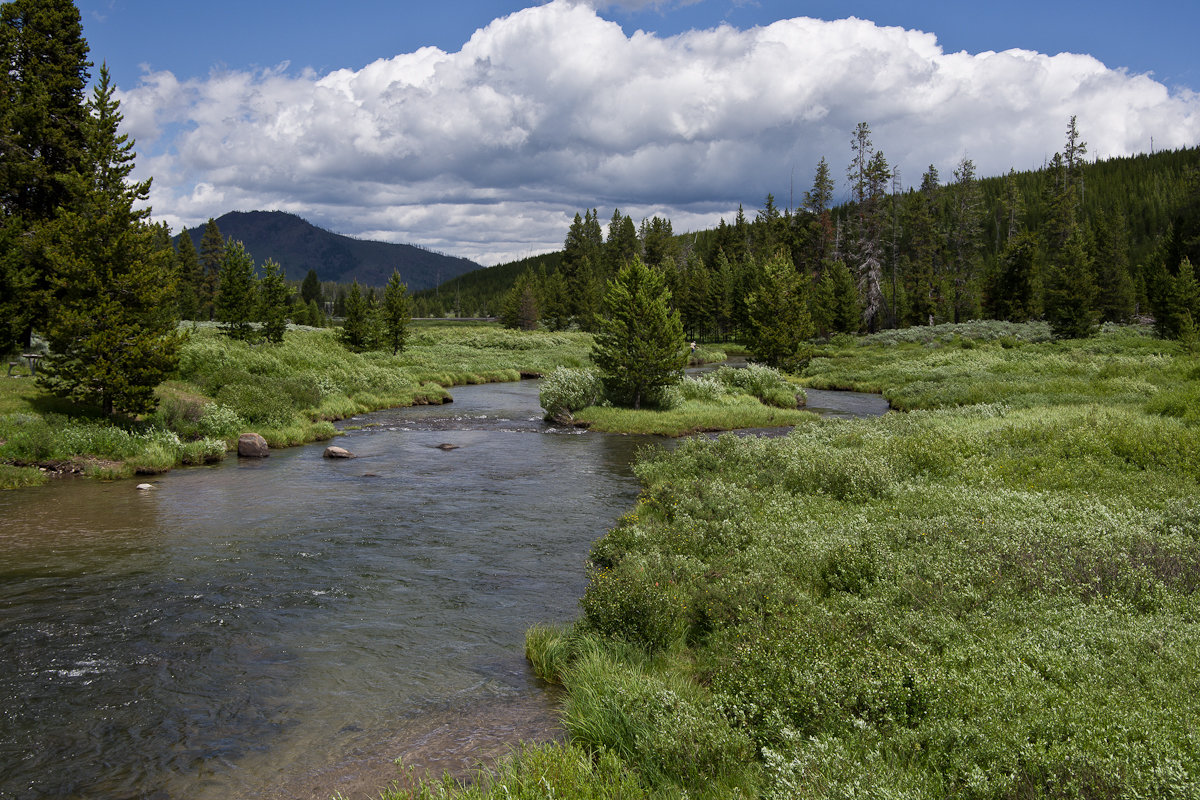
{"x": 288, "y": 627}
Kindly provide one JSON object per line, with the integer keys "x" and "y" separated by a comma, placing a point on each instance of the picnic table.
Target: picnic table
{"x": 33, "y": 359}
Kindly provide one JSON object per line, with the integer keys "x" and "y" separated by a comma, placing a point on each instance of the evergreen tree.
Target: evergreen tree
{"x": 869, "y": 176}
{"x": 1071, "y": 291}
{"x": 780, "y": 324}
{"x": 237, "y": 292}
{"x": 357, "y": 327}
{"x": 310, "y": 288}
{"x": 519, "y": 310}
{"x": 1115, "y": 284}
{"x": 396, "y": 313}
{"x": 273, "y": 297}
{"x": 1015, "y": 290}
{"x": 212, "y": 254}
{"x": 1179, "y": 308}
{"x": 819, "y": 201}
{"x": 838, "y": 308}
{"x": 552, "y": 300}
{"x": 622, "y": 243}
{"x": 112, "y": 328}
{"x": 43, "y": 139}
{"x": 191, "y": 278}
{"x": 964, "y": 240}
{"x": 639, "y": 347}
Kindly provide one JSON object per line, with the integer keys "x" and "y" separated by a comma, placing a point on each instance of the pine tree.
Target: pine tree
{"x": 639, "y": 347}
{"x": 869, "y": 175}
{"x": 519, "y": 310}
{"x": 1015, "y": 291}
{"x": 273, "y": 297}
{"x": 1179, "y": 309}
{"x": 965, "y": 231}
{"x": 310, "y": 289}
{"x": 552, "y": 300}
{"x": 1071, "y": 291}
{"x": 212, "y": 253}
{"x": 780, "y": 323}
{"x": 622, "y": 243}
{"x": 43, "y": 132}
{"x": 112, "y": 328}
{"x": 191, "y": 278}
{"x": 396, "y": 313}
{"x": 358, "y": 327}
{"x": 237, "y": 292}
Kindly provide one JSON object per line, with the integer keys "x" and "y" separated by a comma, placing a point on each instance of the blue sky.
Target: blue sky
{"x": 191, "y": 39}
{"x": 486, "y": 149}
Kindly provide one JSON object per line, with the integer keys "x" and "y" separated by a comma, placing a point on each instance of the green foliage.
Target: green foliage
{"x": 639, "y": 347}
{"x": 519, "y": 308}
{"x": 237, "y": 292}
{"x": 111, "y": 328}
{"x": 273, "y": 296}
{"x": 396, "y": 314}
{"x": 1071, "y": 291}
{"x": 358, "y": 327}
{"x": 780, "y": 325}
{"x": 567, "y": 390}
{"x": 667, "y": 729}
{"x": 991, "y": 601}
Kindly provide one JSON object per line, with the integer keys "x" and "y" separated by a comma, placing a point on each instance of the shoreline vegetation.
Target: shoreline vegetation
{"x": 291, "y": 393}
{"x": 991, "y": 595}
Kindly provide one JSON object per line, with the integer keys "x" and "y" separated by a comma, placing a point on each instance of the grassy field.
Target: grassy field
{"x": 289, "y": 393}
{"x": 994, "y": 595}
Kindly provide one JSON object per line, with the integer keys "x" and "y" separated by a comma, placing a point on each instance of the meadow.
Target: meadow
{"x": 990, "y": 595}
{"x": 289, "y": 393}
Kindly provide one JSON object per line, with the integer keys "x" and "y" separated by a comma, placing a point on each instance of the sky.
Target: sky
{"x": 479, "y": 128}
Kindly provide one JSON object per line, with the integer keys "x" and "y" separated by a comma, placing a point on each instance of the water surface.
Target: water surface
{"x": 287, "y": 627}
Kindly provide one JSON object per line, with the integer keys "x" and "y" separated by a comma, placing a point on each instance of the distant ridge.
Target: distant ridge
{"x": 298, "y": 246}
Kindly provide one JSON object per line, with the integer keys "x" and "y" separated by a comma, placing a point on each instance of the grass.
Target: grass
{"x": 995, "y": 595}
{"x": 289, "y": 393}
{"x": 693, "y": 416}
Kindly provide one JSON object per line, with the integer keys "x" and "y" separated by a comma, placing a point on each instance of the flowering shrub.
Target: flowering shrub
{"x": 568, "y": 389}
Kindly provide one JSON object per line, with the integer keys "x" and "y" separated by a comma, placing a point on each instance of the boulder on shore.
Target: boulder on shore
{"x": 251, "y": 445}
{"x": 337, "y": 452}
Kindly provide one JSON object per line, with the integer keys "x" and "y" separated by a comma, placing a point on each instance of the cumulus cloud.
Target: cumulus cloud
{"x": 489, "y": 151}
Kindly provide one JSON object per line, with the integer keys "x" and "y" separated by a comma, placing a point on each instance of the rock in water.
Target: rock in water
{"x": 145, "y": 487}
{"x": 337, "y": 452}
{"x": 251, "y": 445}
{"x": 447, "y": 446}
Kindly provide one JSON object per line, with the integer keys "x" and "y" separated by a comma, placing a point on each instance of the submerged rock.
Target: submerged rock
{"x": 337, "y": 452}
{"x": 251, "y": 445}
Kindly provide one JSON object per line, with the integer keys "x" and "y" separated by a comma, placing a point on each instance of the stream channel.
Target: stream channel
{"x": 291, "y": 626}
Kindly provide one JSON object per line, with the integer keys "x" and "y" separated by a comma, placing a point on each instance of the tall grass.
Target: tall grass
{"x": 289, "y": 393}
{"x": 993, "y": 597}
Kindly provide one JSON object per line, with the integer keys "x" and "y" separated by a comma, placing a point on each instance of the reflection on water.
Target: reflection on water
{"x": 288, "y": 627}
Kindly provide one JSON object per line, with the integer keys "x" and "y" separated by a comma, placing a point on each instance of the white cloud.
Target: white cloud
{"x": 489, "y": 151}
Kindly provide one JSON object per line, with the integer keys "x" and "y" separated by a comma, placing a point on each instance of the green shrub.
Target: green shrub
{"x": 567, "y": 390}
{"x": 667, "y": 729}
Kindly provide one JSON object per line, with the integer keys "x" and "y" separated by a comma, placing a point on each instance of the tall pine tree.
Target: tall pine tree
{"x": 639, "y": 347}
{"x": 112, "y": 328}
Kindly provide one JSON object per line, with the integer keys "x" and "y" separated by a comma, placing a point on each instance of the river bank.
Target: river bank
{"x": 289, "y": 393}
{"x": 993, "y": 595}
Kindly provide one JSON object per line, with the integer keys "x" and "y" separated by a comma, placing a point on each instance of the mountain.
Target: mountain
{"x": 298, "y": 246}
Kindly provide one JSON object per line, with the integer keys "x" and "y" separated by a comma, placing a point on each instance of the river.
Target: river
{"x": 288, "y": 627}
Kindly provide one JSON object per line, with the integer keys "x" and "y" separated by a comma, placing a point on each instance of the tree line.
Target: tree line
{"x": 1076, "y": 243}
